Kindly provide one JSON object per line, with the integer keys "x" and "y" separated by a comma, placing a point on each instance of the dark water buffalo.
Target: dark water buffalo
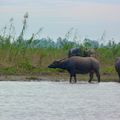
{"x": 75, "y": 52}
{"x": 81, "y": 52}
{"x": 117, "y": 66}
{"x": 76, "y": 64}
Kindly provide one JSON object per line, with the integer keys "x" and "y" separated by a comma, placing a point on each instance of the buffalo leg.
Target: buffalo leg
{"x": 119, "y": 76}
{"x": 70, "y": 78}
{"x": 75, "y": 78}
{"x": 98, "y": 76}
{"x": 72, "y": 73}
{"x": 91, "y": 76}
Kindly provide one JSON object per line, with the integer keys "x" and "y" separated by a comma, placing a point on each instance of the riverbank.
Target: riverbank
{"x": 56, "y": 77}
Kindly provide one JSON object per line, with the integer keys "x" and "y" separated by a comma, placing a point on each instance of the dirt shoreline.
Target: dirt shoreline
{"x": 55, "y": 77}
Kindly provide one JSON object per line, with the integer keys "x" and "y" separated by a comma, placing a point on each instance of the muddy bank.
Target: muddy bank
{"x": 55, "y": 77}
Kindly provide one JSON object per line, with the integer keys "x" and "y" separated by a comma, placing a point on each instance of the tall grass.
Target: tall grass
{"x": 17, "y": 55}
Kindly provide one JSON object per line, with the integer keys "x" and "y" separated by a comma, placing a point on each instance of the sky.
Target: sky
{"x": 90, "y": 18}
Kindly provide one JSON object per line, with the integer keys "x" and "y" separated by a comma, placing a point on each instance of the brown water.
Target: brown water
{"x": 59, "y": 101}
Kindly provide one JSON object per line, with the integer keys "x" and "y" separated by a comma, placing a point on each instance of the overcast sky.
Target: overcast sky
{"x": 90, "y": 17}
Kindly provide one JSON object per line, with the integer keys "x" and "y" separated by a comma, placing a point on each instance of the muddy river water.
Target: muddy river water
{"x": 59, "y": 101}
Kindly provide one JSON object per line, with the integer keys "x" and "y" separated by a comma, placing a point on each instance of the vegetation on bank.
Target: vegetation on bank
{"x": 32, "y": 56}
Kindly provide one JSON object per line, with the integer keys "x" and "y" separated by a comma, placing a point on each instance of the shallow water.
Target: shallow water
{"x": 59, "y": 101}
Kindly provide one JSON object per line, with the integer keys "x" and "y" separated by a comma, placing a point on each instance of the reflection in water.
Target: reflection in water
{"x": 59, "y": 101}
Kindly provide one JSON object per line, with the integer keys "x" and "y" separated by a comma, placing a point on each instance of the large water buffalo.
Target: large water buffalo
{"x": 117, "y": 66}
{"x": 76, "y": 64}
{"x": 83, "y": 52}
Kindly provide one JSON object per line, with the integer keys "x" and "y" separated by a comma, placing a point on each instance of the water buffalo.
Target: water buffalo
{"x": 117, "y": 66}
{"x": 83, "y": 52}
{"x": 76, "y": 64}
{"x": 75, "y": 52}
